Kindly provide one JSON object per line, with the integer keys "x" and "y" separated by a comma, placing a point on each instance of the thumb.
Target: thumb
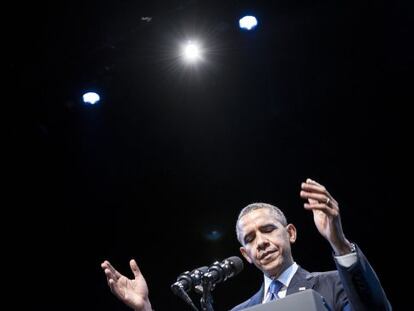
{"x": 134, "y": 268}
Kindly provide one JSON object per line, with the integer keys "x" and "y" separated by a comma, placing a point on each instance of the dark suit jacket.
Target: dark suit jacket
{"x": 355, "y": 288}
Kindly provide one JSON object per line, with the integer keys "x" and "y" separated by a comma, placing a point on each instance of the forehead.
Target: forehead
{"x": 257, "y": 217}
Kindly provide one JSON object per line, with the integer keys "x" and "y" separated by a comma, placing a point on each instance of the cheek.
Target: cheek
{"x": 251, "y": 255}
{"x": 282, "y": 239}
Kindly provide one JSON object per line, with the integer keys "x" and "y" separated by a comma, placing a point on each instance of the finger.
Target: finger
{"x": 313, "y": 187}
{"x": 115, "y": 272}
{"x": 134, "y": 267}
{"x": 109, "y": 279}
{"x": 311, "y": 181}
{"x": 104, "y": 265}
{"x": 321, "y": 198}
{"x": 321, "y": 207}
{"x": 107, "y": 265}
{"x": 110, "y": 276}
{"x": 312, "y": 201}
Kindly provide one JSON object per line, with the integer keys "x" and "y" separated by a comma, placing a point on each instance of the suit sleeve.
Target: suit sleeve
{"x": 362, "y": 286}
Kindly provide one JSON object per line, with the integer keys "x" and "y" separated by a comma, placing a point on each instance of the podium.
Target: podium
{"x": 307, "y": 300}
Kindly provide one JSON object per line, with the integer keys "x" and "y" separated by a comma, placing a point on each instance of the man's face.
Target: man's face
{"x": 266, "y": 241}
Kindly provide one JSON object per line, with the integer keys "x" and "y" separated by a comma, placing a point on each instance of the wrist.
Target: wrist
{"x": 344, "y": 248}
{"x": 146, "y": 307}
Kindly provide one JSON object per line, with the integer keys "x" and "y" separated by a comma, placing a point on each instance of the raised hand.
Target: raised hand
{"x": 132, "y": 292}
{"x": 325, "y": 215}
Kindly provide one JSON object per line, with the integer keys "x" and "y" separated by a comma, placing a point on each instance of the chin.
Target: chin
{"x": 272, "y": 268}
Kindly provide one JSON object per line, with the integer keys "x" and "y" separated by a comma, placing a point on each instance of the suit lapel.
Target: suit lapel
{"x": 301, "y": 280}
{"x": 257, "y": 298}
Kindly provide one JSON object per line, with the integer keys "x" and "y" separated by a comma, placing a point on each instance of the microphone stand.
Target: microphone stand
{"x": 206, "y": 300}
{"x": 179, "y": 291}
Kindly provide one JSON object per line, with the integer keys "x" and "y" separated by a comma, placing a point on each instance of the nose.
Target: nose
{"x": 261, "y": 242}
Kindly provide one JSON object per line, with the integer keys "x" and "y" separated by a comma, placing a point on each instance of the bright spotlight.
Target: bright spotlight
{"x": 192, "y": 52}
{"x": 248, "y": 22}
{"x": 90, "y": 98}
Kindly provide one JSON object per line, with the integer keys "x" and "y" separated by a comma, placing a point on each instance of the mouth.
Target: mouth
{"x": 267, "y": 255}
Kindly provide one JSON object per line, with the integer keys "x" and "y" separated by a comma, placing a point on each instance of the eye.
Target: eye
{"x": 268, "y": 228}
{"x": 248, "y": 238}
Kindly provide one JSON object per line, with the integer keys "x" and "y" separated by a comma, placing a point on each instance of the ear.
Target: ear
{"x": 291, "y": 229}
{"x": 245, "y": 255}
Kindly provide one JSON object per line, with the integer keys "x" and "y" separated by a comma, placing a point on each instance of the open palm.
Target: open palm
{"x": 133, "y": 292}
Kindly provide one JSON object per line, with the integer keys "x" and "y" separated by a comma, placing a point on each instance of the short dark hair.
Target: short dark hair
{"x": 254, "y": 206}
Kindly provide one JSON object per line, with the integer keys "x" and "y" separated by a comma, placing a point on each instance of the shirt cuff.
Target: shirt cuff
{"x": 347, "y": 260}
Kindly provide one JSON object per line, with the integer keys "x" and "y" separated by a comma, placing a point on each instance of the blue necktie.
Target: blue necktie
{"x": 274, "y": 288}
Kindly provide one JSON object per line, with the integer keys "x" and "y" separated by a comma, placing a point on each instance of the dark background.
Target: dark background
{"x": 160, "y": 168}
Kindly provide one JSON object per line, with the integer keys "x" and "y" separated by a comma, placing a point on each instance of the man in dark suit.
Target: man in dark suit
{"x": 266, "y": 238}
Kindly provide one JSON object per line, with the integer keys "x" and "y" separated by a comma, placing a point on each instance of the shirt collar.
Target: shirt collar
{"x": 285, "y": 278}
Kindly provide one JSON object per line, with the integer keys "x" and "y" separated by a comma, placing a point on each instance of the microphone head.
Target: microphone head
{"x": 188, "y": 280}
{"x": 236, "y": 263}
{"x": 201, "y": 270}
{"x": 221, "y": 271}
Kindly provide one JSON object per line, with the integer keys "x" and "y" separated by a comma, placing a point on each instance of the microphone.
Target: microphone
{"x": 188, "y": 280}
{"x": 221, "y": 271}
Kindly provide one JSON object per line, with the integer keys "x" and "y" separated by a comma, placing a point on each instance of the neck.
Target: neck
{"x": 275, "y": 274}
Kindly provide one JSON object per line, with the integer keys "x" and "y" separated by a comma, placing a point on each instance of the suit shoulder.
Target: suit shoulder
{"x": 328, "y": 276}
